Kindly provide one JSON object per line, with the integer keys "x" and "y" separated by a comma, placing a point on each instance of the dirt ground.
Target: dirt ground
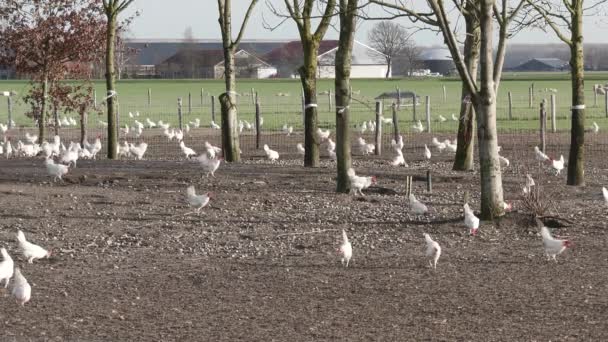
{"x": 130, "y": 263}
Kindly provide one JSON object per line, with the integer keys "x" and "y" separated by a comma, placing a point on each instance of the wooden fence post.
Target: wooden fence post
{"x": 329, "y": 98}
{"x": 530, "y": 97}
{"x": 543, "y": 125}
{"x": 253, "y": 96}
{"x": 427, "y": 105}
{"x": 378, "y": 150}
{"x": 257, "y": 122}
{"x": 213, "y": 108}
{"x": 398, "y": 98}
{"x": 56, "y": 119}
{"x": 414, "y": 107}
{"x": 445, "y": 94}
{"x": 408, "y": 186}
{"x": 429, "y": 181}
{"x": 606, "y": 102}
{"x": 395, "y": 122}
{"x": 94, "y": 98}
{"x": 553, "y": 114}
{"x": 202, "y": 97}
{"x": 510, "y": 106}
{"x": 189, "y": 103}
{"x": 179, "y": 112}
{"x": 10, "y": 111}
{"x": 149, "y": 97}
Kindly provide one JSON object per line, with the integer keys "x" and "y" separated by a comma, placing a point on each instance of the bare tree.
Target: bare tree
{"x": 188, "y": 51}
{"x": 563, "y": 17}
{"x": 391, "y": 39}
{"x": 482, "y": 93}
{"x": 301, "y": 12}
{"x": 408, "y": 60}
{"x": 230, "y": 134}
{"x": 348, "y": 20}
{"x": 112, "y": 9}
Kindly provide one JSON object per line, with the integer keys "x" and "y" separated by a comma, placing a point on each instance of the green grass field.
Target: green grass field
{"x": 278, "y": 110}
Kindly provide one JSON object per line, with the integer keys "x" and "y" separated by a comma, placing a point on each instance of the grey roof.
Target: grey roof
{"x": 361, "y": 55}
{"x": 553, "y": 62}
{"x": 436, "y": 54}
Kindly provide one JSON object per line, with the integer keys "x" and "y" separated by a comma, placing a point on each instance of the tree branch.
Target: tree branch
{"x": 244, "y": 24}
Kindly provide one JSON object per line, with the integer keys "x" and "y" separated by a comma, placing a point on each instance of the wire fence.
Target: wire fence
{"x": 517, "y": 120}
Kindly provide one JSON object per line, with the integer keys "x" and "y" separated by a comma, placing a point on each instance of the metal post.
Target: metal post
{"x": 378, "y": 150}
{"x": 530, "y": 97}
{"x": 398, "y": 98}
{"x": 606, "y": 102}
{"x": 408, "y": 186}
{"x": 189, "y": 103}
{"x": 543, "y": 124}
{"x": 329, "y": 99}
{"x": 179, "y": 111}
{"x": 594, "y": 97}
{"x": 117, "y": 114}
{"x": 427, "y": 103}
{"x": 202, "y": 97}
{"x": 445, "y": 94}
{"x": 149, "y": 97}
{"x": 303, "y": 111}
{"x": 395, "y": 122}
{"x": 257, "y": 122}
{"x": 213, "y": 108}
{"x": 553, "y": 118}
{"x": 429, "y": 181}
{"x": 253, "y": 96}
{"x": 10, "y": 111}
{"x": 510, "y": 106}
{"x": 56, "y": 118}
{"x": 414, "y": 107}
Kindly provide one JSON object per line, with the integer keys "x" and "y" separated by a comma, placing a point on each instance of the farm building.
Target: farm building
{"x": 542, "y": 64}
{"x": 438, "y": 60}
{"x": 210, "y": 64}
{"x": 366, "y": 62}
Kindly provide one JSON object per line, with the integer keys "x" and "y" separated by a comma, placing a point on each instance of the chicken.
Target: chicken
{"x": 398, "y": 159}
{"x": 139, "y": 150}
{"x": 131, "y": 115}
{"x": 418, "y": 127}
{"x": 186, "y": 150}
{"x": 124, "y": 149}
{"x": 211, "y": 150}
{"x": 241, "y": 126}
{"x": 47, "y": 149}
{"x": 553, "y": 246}
{"x": 57, "y": 171}
{"x": 32, "y": 139}
{"x": 95, "y": 148}
{"x": 3, "y": 128}
{"x": 557, "y": 165}
{"x": 442, "y": 118}
{"x": 102, "y": 123}
{"x": 170, "y": 134}
{"x": 605, "y": 194}
{"x": 387, "y": 121}
{"x": 196, "y": 123}
{"x": 8, "y": 148}
{"x": 214, "y": 125}
{"x": 272, "y": 155}
{"x": 332, "y": 155}
{"x": 346, "y": 250}
{"x": 323, "y": 135}
{"x": 287, "y": 129}
{"x": 70, "y": 155}
{"x": 427, "y": 152}
{"x": 364, "y": 147}
{"x": 179, "y": 135}
{"x": 22, "y": 290}
{"x": 398, "y": 144}
{"x": 358, "y": 183}
{"x": 163, "y": 126}
{"x": 503, "y": 161}
{"x": 529, "y": 184}
{"x": 363, "y": 127}
{"x": 417, "y": 207}
{"x": 29, "y": 250}
{"x": 6, "y": 267}
{"x": 540, "y": 156}
{"x": 197, "y": 201}
{"x": 56, "y": 145}
{"x": 300, "y": 149}
{"x": 439, "y": 145}
{"x": 452, "y": 147}
{"x": 248, "y": 125}
{"x": 433, "y": 250}
{"x": 125, "y": 130}
{"x": 470, "y": 220}
{"x": 454, "y": 117}
{"x": 595, "y": 128}
{"x": 150, "y": 123}
{"x": 209, "y": 165}
{"x": 331, "y": 145}
{"x": 137, "y": 131}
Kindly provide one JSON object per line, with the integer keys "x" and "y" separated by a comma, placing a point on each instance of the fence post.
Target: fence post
{"x": 189, "y": 103}
{"x": 510, "y": 106}
{"x": 329, "y": 98}
{"x": 398, "y": 98}
{"x": 445, "y": 94}
{"x": 553, "y": 113}
{"x": 202, "y": 97}
{"x": 257, "y": 122}
{"x": 179, "y": 111}
{"x": 253, "y": 96}
{"x": 543, "y": 124}
{"x": 94, "y": 98}
{"x": 414, "y": 106}
{"x": 56, "y": 118}
{"x": 303, "y": 111}
{"x": 606, "y": 102}
{"x": 149, "y": 97}
{"x": 10, "y": 111}
{"x": 427, "y": 103}
{"x": 429, "y": 182}
{"x": 378, "y": 150}
{"x": 594, "y": 96}
{"x": 530, "y": 97}
{"x": 213, "y": 108}
{"x": 395, "y": 122}
{"x": 117, "y": 115}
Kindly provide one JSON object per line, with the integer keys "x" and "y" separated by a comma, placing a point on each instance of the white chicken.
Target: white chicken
{"x": 272, "y": 155}
{"x": 32, "y": 139}
{"x": 345, "y": 250}
{"x": 248, "y": 125}
{"x": 358, "y": 183}
{"x": 540, "y": 156}
{"x": 433, "y": 250}
{"x": 529, "y": 184}
{"x": 553, "y": 247}
{"x": 557, "y": 165}
{"x": 95, "y": 147}
{"x": 6, "y": 267}
{"x": 363, "y": 128}
{"x": 398, "y": 144}
{"x": 70, "y": 155}
{"x": 503, "y": 161}
{"x": 125, "y": 130}
{"x": 364, "y": 147}
{"x": 209, "y": 165}
{"x": 139, "y": 150}
{"x": 57, "y": 171}
{"x": 150, "y": 123}
{"x": 605, "y": 194}
{"x": 287, "y": 129}
{"x": 417, "y": 207}
{"x": 8, "y": 148}
{"x": 123, "y": 149}
{"x": 399, "y": 159}
{"x": 451, "y": 147}
{"x": 170, "y": 134}
{"x": 179, "y": 135}
{"x": 197, "y": 201}
{"x": 22, "y": 290}
{"x": 214, "y": 125}
{"x": 439, "y": 145}
{"x": 427, "y": 152}
{"x": 331, "y": 145}
{"x": 300, "y": 149}
{"x": 442, "y": 118}
{"x": 241, "y": 126}
{"x": 470, "y": 220}
{"x": 454, "y": 117}
{"x": 595, "y": 128}
{"x": 102, "y": 123}
{"x": 196, "y": 123}
{"x": 3, "y": 128}
{"x": 187, "y": 151}
{"x": 323, "y": 135}
{"x": 211, "y": 150}
{"x": 162, "y": 125}
{"x": 29, "y": 250}
{"x": 418, "y": 127}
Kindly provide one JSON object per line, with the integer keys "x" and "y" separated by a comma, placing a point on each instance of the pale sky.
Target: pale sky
{"x": 161, "y": 19}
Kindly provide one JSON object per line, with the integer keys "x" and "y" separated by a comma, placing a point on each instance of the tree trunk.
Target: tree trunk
{"x": 230, "y": 134}
{"x": 576, "y": 159}
{"x": 348, "y": 13}
{"x": 110, "y": 86}
{"x": 463, "y": 160}
{"x": 389, "y": 63}
{"x": 83, "y": 128}
{"x": 43, "y": 105}
{"x": 308, "y": 76}
{"x": 485, "y": 103}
